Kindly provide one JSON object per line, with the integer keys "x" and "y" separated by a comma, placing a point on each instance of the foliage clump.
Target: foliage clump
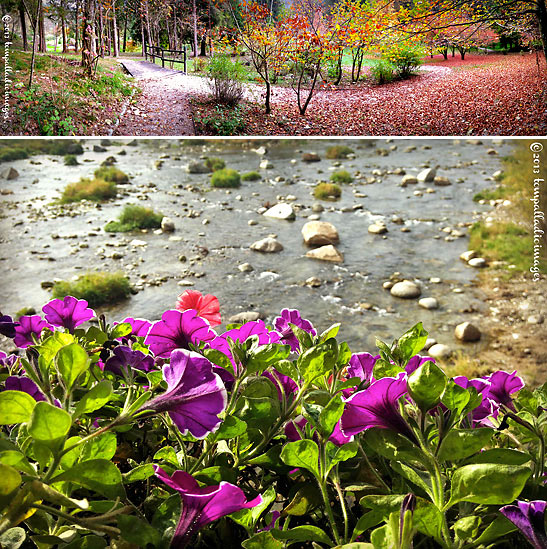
{"x": 71, "y": 160}
{"x": 214, "y": 164}
{"x": 405, "y": 58}
{"x": 382, "y": 72}
{"x": 226, "y": 80}
{"x": 251, "y": 176}
{"x": 112, "y": 174}
{"x": 327, "y": 191}
{"x": 8, "y": 154}
{"x": 226, "y": 178}
{"x": 338, "y": 152}
{"x": 135, "y": 217}
{"x": 97, "y": 288}
{"x": 341, "y": 176}
{"x": 96, "y": 190}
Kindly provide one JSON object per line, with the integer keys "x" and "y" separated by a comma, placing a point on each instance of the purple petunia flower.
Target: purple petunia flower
{"x": 487, "y": 408}
{"x": 7, "y": 326}
{"x": 377, "y": 406}
{"x": 361, "y": 365}
{"x": 26, "y": 385}
{"x": 139, "y": 326}
{"x": 176, "y": 330}
{"x": 277, "y": 378}
{"x": 202, "y": 505}
{"x": 7, "y": 361}
{"x": 416, "y": 361}
{"x": 195, "y": 394}
{"x": 502, "y": 386}
{"x": 68, "y": 312}
{"x": 125, "y": 357}
{"x": 529, "y": 518}
{"x": 281, "y": 324}
{"x": 29, "y": 326}
{"x": 294, "y": 427}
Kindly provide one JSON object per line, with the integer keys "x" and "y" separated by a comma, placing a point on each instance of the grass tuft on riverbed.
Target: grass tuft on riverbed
{"x": 96, "y": 190}
{"x": 97, "y": 288}
{"x": 112, "y": 174}
{"x": 327, "y": 191}
{"x": 134, "y": 218}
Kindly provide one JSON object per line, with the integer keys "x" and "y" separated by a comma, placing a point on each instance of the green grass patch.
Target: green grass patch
{"x": 226, "y": 178}
{"x": 25, "y": 311}
{"x": 96, "y": 288}
{"x": 112, "y": 175}
{"x": 503, "y": 242}
{"x": 215, "y": 164}
{"x": 251, "y": 176}
{"x": 29, "y": 147}
{"x": 71, "y": 160}
{"x": 89, "y": 189}
{"x": 338, "y": 152}
{"x": 327, "y": 191}
{"x": 341, "y": 176}
{"x": 492, "y": 194}
{"x": 133, "y": 218}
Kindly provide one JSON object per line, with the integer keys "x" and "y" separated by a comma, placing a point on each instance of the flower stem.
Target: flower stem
{"x": 373, "y": 469}
{"x": 322, "y": 481}
{"x": 338, "y": 487}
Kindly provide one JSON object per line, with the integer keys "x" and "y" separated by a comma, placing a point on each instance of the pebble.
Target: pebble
{"x": 326, "y": 253}
{"x": 466, "y": 256}
{"x": 428, "y": 303}
{"x": 429, "y": 342}
{"x": 406, "y": 290}
{"x": 252, "y": 222}
{"x": 167, "y": 225}
{"x": 467, "y": 332}
{"x": 535, "y": 319}
{"x": 319, "y": 233}
{"x": 185, "y": 282}
{"x": 281, "y": 211}
{"x": 246, "y": 316}
{"x": 477, "y": 262}
{"x": 313, "y": 282}
{"x": 427, "y": 175}
{"x": 439, "y": 351}
{"x": 435, "y": 280}
{"x": 245, "y": 267}
{"x": 267, "y": 245}
{"x": 377, "y": 228}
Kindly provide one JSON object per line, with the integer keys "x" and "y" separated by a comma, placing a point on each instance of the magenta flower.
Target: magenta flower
{"x": 277, "y": 378}
{"x": 176, "y": 330}
{"x": 126, "y": 358}
{"x": 502, "y": 386}
{"x": 29, "y": 326}
{"x": 195, "y": 394}
{"x": 487, "y": 408}
{"x": 529, "y": 518}
{"x": 281, "y": 324}
{"x": 361, "y": 365}
{"x": 7, "y": 361}
{"x": 377, "y": 406}
{"x": 68, "y": 312}
{"x": 26, "y": 385}
{"x": 7, "y": 326}
{"x": 139, "y": 326}
{"x": 294, "y": 427}
{"x": 415, "y": 362}
{"x": 202, "y": 505}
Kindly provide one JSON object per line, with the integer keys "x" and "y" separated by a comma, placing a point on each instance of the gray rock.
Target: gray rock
{"x": 311, "y": 157}
{"x": 326, "y": 253}
{"x": 167, "y": 225}
{"x": 47, "y": 284}
{"x": 535, "y": 319}
{"x": 246, "y": 316}
{"x": 245, "y": 267}
{"x": 408, "y": 180}
{"x": 466, "y": 256}
{"x": 319, "y": 233}
{"x": 377, "y": 228}
{"x": 429, "y": 342}
{"x": 406, "y": 290}
{"x": 266, "y": 165}
{"x": 313, "y": 282}
{"x": 317, "y": 208}
{"x": 281, "y": 211}
{"x": 427, "y": 175}
{"x": 98, "y": 149}
{"x": 252, "y": 222}
{"x": 439, "y": 351}
{"x": 267, "y": 245}
{"x": 428, "y": 303}
{"x": 9, "y": 173}
{"x": 467, "y": 332}
{"x": 185, "y": 282}
{"x": 441, "y": 181}
{"x": 477, "y": 262}
{"x": 197, "y": 167}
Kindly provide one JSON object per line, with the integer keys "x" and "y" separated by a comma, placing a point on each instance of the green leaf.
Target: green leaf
{"x": 265, "y": 356}
{"x": 99, "y": 475}
{"x": 366, "y": 522}
{"x": 304, "y": 338}
{"x": 101, "y": 447}
{"x": 412, "y": 342}
{"x": 137, "y": 531}
{"x": 11, "y": 480}
{"x": 13, "y": 538}
{"x": 231, "y": 427}
{"x": 121, "y": 330}
{"x": 262, "y": 540}
{"x": 302, "y": 534}
{"x": 318, "y": 360}
{"x": 51, "y": 346}
{"x": 355, "y": 545}
{"x": 417, "y": 477}
{"x": 166, "y": 517}
{"x": 168, "y": 455}
{"x": 17, "y": 460}
{"x": 219, "y": 359}
{"x": 426, "y": 385}
{"x": 87, "y": 542}
{"x": 344, "y": 354}
{"x": 499, "y": 527}
{"x": 71, "y": 361}
{"x": 461, "y": 443}
{"x": 503, "y": 456}
{"x": 216, "y": 474}
{"x": 96, "y": 334}
{"x": 486, "y": 483}
{"x": 383, "y": 368}
{"x": 249, "y": 517}
{"x": 329, "y": 416}
{"x": 71, "y": 457}
{"x": 306, "y": 499}
{"x": 44, "y": 491}
{"x": 382, "y": 537}
{"x": 141, "y": 472}
{"x": 455, "y": 398}
{"x": 331, "y": 331}
{"x": 15, "y": 407}
{"x": 337, "y": 454}
{"x": 49, "y": 424}
{"x": 392, "y": 445}
{"x": 302, "y": 453}
{"x": 271, "y": 459}
{"x": 94, "y": 399}
{"x": 287, "y": 368}
{"x": 467, "y": 527}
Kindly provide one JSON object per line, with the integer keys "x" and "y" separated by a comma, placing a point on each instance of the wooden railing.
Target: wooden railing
{"x": 169, "y": 56}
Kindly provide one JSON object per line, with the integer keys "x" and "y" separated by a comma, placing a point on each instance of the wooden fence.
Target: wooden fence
{"x": 169, "y": 56}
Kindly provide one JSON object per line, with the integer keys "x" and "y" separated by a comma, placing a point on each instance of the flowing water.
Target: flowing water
{"x": 41, "y": 242}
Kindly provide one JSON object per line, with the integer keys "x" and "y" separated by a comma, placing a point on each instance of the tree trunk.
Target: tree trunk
{"x": 542, "y": 20}
{"x": 87, "y": 37}
{"x": 124, "y": 30}
{"x": 101, "y": 31}
{"x": 23, "y": 20}
{"x": 445, "y": 54}
{"x": 115, "y": 31}
{"x": 462, "y": 53}
{"x": 34, "y": 45}
{"x": 268, "y": 94}
{"x": 203, "y": 46}
{"x": 76, "y": 26}
{"x": 195, "y": 24}
{"x": 42, "y": 46}
{"x": 63, "y": 34}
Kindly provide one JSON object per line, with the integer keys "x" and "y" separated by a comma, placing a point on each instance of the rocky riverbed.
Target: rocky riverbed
{"x": 403, "y": 221}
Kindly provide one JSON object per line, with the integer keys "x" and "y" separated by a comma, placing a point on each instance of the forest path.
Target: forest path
{"x": 163, "y": 107}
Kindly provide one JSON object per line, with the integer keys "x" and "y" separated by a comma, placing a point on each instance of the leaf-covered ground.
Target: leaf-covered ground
{"x": 482, "y": 95}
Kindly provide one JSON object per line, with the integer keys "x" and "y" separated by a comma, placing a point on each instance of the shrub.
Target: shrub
{"x": 89, "y": 189}
{"x": 223, "y": 121}
{"x": 338, "y": 152}
{"x": 225, "y": 178}
{"x": 226, "y": 80}
{"x": 112, "y": 174}
{"x": 406, "y": 59}
{"x": 96, "y": 288}
{"x": 382, "y": 71}
{"x": 8, "y": 154}
{"x": 341, "y": 176}
{"x": 215, "y": 164}
{"x": 71, "y": 160}
{"x": 133, "y": 218}
{"x": 251, "y": 176}
{"x": 327, "y": 191}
